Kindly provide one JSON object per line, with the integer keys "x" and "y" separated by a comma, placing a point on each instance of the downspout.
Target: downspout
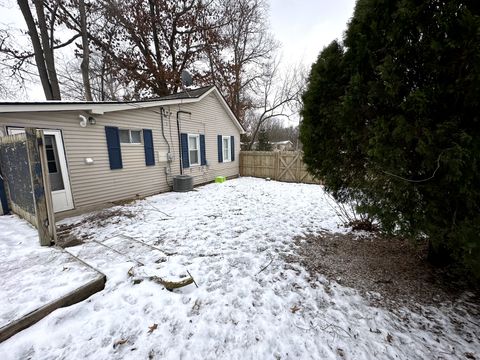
{"x": 179, "y": 137}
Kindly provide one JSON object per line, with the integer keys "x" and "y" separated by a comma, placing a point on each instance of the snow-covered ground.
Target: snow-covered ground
{"x": 250, "y": 303}
{"x": 33, "y": 276}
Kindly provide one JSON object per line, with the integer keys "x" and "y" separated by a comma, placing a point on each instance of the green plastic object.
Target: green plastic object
{"x": 220, "y": 179}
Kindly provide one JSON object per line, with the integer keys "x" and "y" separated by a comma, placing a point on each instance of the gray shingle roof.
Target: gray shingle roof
{"x": 195, "y": 93}
{"x": 188, "y": 94}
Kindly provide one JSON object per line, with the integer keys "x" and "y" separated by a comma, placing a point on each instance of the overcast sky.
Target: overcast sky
{"x": 303, "y": 27}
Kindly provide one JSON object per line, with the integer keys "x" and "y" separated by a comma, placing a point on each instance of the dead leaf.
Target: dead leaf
{"x": 294, "y": 309}
{"x": 130, "y": 272}
{"x": 389, "y": 338}
{"x": 469, "y": 355}
{"x": 119, "y": 342}
{"x": 152, "y": 328}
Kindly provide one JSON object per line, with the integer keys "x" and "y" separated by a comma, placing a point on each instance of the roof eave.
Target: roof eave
{"x": 100, "y": 109}
{"x": 89, "y": 107}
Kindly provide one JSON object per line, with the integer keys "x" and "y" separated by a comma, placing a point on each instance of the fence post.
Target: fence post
{"x": 38, "y": 187}
{"x": 276, "y": 159}
{"x": 297, "y": 168}
{"x": 240, "y": 164}
{"x": 3, "y": 198}
{"x": 46, "y": 185}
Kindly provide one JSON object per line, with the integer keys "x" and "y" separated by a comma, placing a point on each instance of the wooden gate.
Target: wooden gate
{"x": 285, "y": 166}
{"x": 25, "y": 178}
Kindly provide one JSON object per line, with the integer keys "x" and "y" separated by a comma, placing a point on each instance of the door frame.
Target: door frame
{"x": 62, "y": 159}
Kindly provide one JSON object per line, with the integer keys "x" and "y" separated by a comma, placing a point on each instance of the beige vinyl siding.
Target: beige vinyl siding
{"x": 209, "y": 117}
{"x": 95, "y": 185}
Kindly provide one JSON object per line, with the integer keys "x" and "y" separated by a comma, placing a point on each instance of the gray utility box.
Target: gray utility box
{"x": 182, "y": 183}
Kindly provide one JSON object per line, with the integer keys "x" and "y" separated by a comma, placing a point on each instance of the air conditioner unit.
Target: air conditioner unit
{"x": 182, "y": 183}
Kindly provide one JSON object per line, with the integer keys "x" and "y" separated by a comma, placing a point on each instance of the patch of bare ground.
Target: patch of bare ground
{"x": 67, "y": 235}
{"x": 389, "y": 272}
{"x": 393, "y": 274}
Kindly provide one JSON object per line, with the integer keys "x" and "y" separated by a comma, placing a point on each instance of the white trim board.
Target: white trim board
{"x": 102, "y": 108}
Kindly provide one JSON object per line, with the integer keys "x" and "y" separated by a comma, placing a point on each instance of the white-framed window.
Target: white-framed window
{"x": 194, "y": 149}
{"x": 129, "y": 136}
{"x": 227, "y": 148}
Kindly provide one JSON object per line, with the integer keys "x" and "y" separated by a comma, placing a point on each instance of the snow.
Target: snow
{"x": 250, "y": 302}
{"x": 33, "y": 276}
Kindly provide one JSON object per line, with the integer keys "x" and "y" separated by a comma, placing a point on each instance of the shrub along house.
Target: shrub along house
{"x": 103, "y": 152}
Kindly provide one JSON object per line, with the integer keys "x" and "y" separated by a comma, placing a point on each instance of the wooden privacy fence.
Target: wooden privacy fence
{"x": 277, "y": 165}
{"x": 24, "y": 175}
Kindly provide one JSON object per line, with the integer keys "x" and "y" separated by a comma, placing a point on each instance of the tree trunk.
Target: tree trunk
{"x": 438, "y": 254}
{"x": 255, "y": 132}
{"x": 47, "y": 51}
{"x": 85, "y": 65}
{"x": 37, "y": 48}
{"x": 102, "y": 78}
{"x": 162, "y": 85}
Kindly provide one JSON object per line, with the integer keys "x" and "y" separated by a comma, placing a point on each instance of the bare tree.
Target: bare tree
{"x": 134, "y": 49}
{"x": 277, "y": 131}
{"x": 7, "y": 86}
{"x": 280, "y": 93}
{"x": 28, "y": 64}
{"x": 237, "y": 53}
{"x": 155, "y": 40}
{"x": 106, "y": 84}
{"x": 43, "y": 46}
{"x": 9, "y": 74}
{"x": 85, "y": 65}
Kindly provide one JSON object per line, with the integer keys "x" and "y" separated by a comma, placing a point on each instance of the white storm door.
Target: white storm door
{"x": 57, "y": 169}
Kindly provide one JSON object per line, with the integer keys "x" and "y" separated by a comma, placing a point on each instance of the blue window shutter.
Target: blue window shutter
{"x": 114, "y": 150}
{"x": 220, "y": 153}
{"x": 203, "y": 154}
{"x": 232, "y": 147}
{"x": 185, "y": 157}
{"x": 148, "y": 144}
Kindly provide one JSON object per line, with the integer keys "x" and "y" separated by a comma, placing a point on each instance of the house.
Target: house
{"x": 103, "y": 152}
{"x": 286, "y": 145}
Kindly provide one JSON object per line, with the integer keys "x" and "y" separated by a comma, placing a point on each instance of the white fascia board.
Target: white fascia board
{"x": 139, "y": 105}
{"x": 88, "y": 107}
{"x": 99, "y": 109}
{"x": 15, "y": 108}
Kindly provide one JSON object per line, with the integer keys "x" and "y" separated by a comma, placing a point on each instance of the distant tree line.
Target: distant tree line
{"x": 274, "y": 131}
